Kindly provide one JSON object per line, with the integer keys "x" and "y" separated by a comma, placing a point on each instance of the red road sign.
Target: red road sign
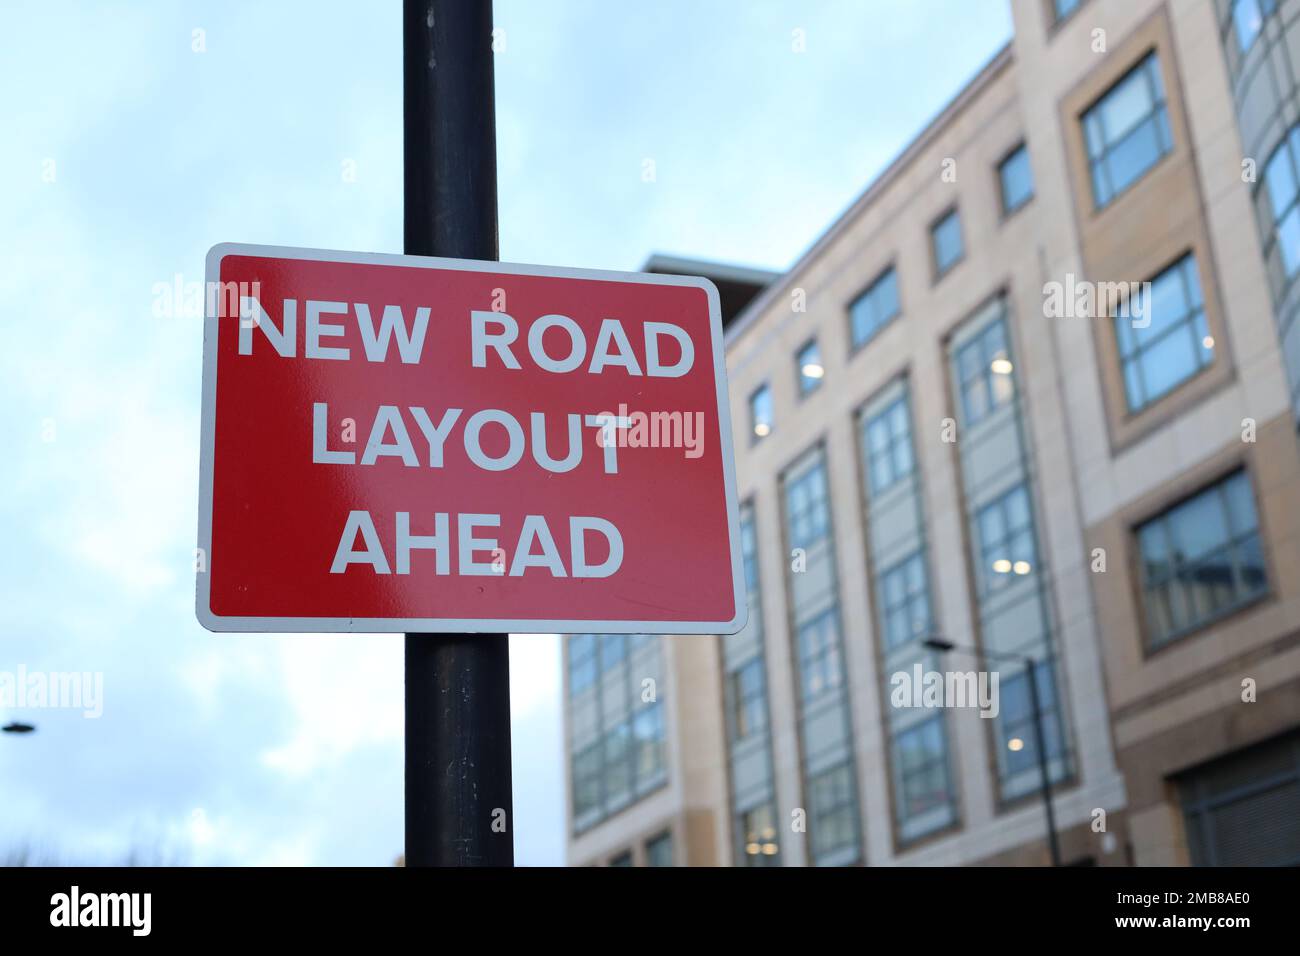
{"x": 400, "y": 443}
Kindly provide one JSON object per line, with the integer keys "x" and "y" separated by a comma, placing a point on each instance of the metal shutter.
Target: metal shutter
{"x": 1244, "y": 809}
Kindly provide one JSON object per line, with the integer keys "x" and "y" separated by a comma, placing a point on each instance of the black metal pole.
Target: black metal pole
{"x": 458, "y": 798}
{"x": 1040, "y": 744}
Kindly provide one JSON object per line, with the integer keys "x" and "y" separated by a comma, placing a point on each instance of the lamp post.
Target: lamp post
{"x": 1040, "y": 739}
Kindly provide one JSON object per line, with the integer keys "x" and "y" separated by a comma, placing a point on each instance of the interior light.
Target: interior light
{"x": 1002, "y": 566}
{"x": 1021, "y": 567}
{"x": 769, "y": 849}
{"x": 753, "y": 849}
{"x": 813, "y": 370}
{"x": 1208, "y": 341}
{"x": 1001, "y": 366}
{"x": 1016, "y": 744}
{"x": 762, "y": 429}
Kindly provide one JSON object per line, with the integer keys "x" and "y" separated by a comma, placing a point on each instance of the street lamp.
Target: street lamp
{"x": 17, "y": 727}
{"x": 1031, "y": 670}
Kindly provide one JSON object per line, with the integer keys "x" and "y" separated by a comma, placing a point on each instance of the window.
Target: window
{"x": 616, "y": 739}
{"x": 945, "y": 240}
{"x": 1127, "y": 131}
{"x": 760, "y": 413}
{"x": 1280, "y": 210}
{"x": 806, "y": 507}
{"x": 889, "y": 446}
{"x": 613, "y": 651}
{"x": 1201, "y": 559}
{"x": 832, "y": 809}
{"x": 1017, "y": 180}
{"x": 749, "y": 548}
{"x": 1248, "y": 19}
{"x": 758, "y": 835}
{"x": 809, "y": 366}
{"x": 984, "y": 373}
{"x": 623, "y": 859}
{"x": 921, "y": 759}
{"x": 618, "y": 768}
{"x": 874, "y": 309}
{"x": 648, "y": 745}
{"x": 905, "y": 601}
{"x": 748, "y": 695}
{"x": 1174, "y": 346}
{"x": 1006, "y": 538}
{"x": 659, "y": 851}
{"x": 586, "y": 781}
{"x": 819, "y": 655}
{"x": 1063, "y": 8}
{"x": 1019, "y": 745}
{"x": 582, "y": 663}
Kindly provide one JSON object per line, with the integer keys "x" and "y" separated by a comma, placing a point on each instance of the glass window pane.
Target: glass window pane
{"x": 1133, "y": 389}
{"x": 1279, "y": 178}
{"x": 1247, "y": 20}
{"x": 1064, "y": 8}
{"x": 992, "y": 526}
{"x": 886, "y": 296}
{"x": 1208, "y": 563}
{"x": 1199, "y": 526}
{"x": 810, "y": 368}
{"x": 872, "y": 310}
{"x": 1253, "y": 575}
{"x": 1288, "y": 240}
{"x": 1126, "y": 105}
{"x": 975, "y": 401}
{"x": 1171, "y": 348}
{"x": 1168, "y": 303}
{"x": 902, "y": 458}
{"x": 1167, "y": 363}
{"x": 1133, "y": 155}
{"x": 1127, "y": 130}
{"x": 760, "y": 412}
{"x": 1017, "y": 180}
{"x": 1017, "y": 506}
{"x": 1241, "y": 504}
{"x": 947, "y": 242}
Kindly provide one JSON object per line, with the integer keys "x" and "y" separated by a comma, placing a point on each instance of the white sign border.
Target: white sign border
{"x": 227, "y": 624}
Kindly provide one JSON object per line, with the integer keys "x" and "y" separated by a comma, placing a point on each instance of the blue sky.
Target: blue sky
{"x": 127, "y": 154}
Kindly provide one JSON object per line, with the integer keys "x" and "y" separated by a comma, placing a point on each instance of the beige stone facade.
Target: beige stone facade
{"x": 1148, "y": 722}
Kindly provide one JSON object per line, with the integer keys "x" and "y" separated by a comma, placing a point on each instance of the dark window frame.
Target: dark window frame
{"x": 1004, "y": 546}
{"x": 1154, "y": 639}
{"x": 664, "y": 837}
{"x": 754, "y": 436}
{"x": 868, "y": 295}
{"x": 1149, "y": 64}
{"x": 1194, "y": 322}
{"x": 984, "y": 374}
{"x": 910, "y": 598}
{"x": 953, "y": 212}
{"x": 801, "y": 388}
{"x": 1007, "y": 211}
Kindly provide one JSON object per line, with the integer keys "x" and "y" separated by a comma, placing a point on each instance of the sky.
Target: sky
{"x": 139, "y": 134}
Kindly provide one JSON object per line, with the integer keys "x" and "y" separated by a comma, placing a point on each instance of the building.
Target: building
{"x": 1035, "y": 393}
